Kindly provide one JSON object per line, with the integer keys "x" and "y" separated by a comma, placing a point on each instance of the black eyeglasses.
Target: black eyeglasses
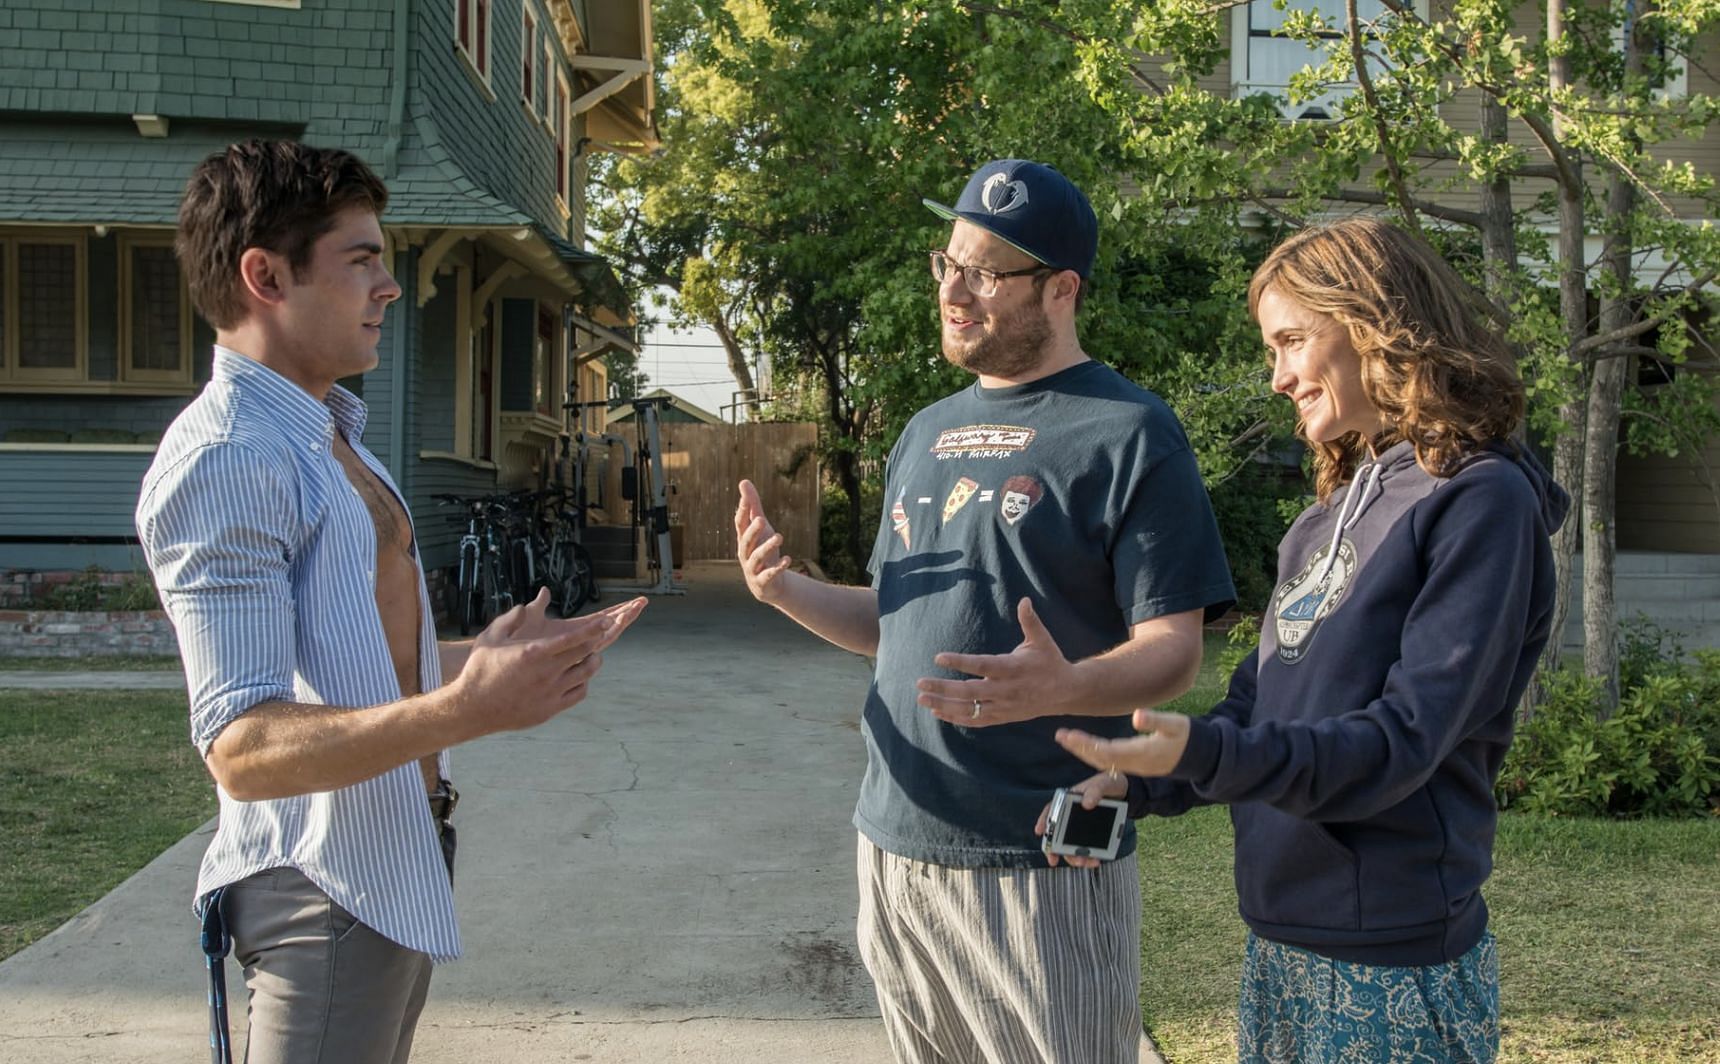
{"x": 979, "y": 280}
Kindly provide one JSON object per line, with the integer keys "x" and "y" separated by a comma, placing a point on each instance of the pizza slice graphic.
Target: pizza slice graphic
{"x": 959, "y": 496}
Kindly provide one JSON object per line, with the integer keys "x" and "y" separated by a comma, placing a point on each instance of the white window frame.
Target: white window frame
{"x": 550, "y": 63}
{"x": 126, "y": 244}
{"x": 1243, "y": 85}
{"x": 480, "y": 31}
{"x": 563, "y": 139}
{"x": 12, "y": 375}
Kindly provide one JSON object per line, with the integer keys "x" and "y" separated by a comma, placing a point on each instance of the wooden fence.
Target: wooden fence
{"x": 705, "y": 462}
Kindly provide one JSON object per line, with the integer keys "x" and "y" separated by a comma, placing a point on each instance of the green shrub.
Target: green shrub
{"x": 89, "y": 591}
{"x": 1254, "y": 509}
{"x": 833, "y": 551}
{"x": 1657, "y": 755}
{"x": 1239, "y": 642}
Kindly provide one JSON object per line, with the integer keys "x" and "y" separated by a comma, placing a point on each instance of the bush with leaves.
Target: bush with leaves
{"x": 1657, "y": 755}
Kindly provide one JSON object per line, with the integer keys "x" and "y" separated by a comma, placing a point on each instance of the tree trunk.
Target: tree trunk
{"x": 737, "y": 364}
{"x": 1498, "y": 226}
{"x": 1499, "y": 261}
{"x": 845, "y": 457}
{"x": 1600, "y": 464}
{"x": 1574, "y": 313}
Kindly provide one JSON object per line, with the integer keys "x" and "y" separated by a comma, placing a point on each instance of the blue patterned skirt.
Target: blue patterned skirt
{"x": 1298, "y": 1007}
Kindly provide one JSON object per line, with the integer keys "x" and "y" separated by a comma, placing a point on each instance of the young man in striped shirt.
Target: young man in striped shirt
{"x": 321, "y": 700}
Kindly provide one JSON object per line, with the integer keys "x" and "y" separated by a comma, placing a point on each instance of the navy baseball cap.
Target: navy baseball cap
{"x": 1032, "y": 208}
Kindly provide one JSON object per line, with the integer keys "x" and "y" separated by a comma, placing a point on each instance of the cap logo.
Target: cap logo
{"x": 1000, "y": 195}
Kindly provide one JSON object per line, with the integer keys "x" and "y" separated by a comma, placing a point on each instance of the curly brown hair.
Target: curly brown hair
{"x": 279, "y": 195}
{"x": 1434, "y": 358}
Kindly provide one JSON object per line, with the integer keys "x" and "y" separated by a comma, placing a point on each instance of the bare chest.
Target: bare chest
{"x": 393, "y": 530}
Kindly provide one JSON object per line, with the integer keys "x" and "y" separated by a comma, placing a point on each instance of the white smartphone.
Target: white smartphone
{"x": 1072, "y": 830}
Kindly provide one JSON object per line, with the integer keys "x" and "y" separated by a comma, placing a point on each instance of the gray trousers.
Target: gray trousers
{"x": 1003, "y": 965}
{"x": 323, "y": 988}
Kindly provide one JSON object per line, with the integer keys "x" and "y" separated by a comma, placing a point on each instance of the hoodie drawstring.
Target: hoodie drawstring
{"x": 1367, "y": 479}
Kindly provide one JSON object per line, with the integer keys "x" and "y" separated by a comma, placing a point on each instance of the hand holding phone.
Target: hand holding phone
{"x": 1072, "y": 830}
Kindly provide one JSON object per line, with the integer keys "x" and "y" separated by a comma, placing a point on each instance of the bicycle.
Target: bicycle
{"x": 480, "y": 588}
{"x": 568, "y": 568}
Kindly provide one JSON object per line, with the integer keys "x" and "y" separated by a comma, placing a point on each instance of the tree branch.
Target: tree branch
{"x": 1547, "y": 171}
{"x": 1358, "y": 56}
{"x": 1065, "y": 32}
{"x": 1581, "y": 348}
{"x": 1454, "y": 215}
{"x": 1566, "y": 173}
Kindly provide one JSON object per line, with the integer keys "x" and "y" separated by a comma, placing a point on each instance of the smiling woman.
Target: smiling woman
{"x": 1358, "y": 746}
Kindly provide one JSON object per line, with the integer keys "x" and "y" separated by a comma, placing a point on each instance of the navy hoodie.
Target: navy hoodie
{"x": 1358, "y": 746}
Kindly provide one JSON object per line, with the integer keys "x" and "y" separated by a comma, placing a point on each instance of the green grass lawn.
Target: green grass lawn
{"x": 1609, "y": 933}
{"x": 91, "y": 663}
{"x": 93, "y": 785}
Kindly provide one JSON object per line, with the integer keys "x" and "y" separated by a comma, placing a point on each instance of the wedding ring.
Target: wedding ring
{"x": 976, "y": 707}
{"x": 1113, "y": 771}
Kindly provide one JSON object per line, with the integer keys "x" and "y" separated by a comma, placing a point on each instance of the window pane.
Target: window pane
{"x": 483, "y": 53}
{"x": 47, "y": 306}
{"x": 543, "y": 82}
{"x": 4, "y": 324}
{"x": 1263, "y": 19}
{"x": 155, "y": 339}
{"x": 1271, "y": 60}
{"x": 528, "y": 51}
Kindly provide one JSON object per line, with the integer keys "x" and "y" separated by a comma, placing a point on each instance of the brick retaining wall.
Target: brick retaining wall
{"x": 58, "y": 634}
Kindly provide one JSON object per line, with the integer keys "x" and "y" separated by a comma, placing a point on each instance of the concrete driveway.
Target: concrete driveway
{"x": 663, "y": 873}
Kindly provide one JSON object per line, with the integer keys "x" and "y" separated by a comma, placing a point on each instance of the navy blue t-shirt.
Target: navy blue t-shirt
{"x": 1078, "y": 491}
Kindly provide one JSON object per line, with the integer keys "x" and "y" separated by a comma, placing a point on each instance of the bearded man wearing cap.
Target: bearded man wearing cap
{"x": 1046, "y": 559}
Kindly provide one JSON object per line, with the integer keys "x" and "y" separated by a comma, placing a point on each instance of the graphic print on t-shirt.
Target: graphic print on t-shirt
{"x": 1307, "y": 598}
{"x": 959, "y": 496}
{"x": 982, "y": 441}
{"x": 899, "y": 520}
{"x": 1018, "y": 496}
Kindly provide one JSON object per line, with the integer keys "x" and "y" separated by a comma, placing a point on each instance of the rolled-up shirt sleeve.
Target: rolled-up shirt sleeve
{"x": 216, "y": 531}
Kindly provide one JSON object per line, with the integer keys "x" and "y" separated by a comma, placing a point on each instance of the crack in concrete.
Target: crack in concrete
{"x": 847, "y": 725}
{"x": 632, "y": 764}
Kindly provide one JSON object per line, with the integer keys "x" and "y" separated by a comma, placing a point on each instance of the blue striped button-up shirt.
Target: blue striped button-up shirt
{"x": 266, "y": 560}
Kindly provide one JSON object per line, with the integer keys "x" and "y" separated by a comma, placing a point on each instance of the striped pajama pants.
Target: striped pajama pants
{"x": 1003, "y": 965}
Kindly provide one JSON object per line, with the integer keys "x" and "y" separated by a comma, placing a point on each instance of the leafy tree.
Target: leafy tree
{"x": 801, "y": 135}
{"x": 786, "y": 212}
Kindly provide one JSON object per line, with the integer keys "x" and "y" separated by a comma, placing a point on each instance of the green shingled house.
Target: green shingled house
{"x": 481, "y": 116}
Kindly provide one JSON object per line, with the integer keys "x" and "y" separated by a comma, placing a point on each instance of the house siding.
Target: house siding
{"x": 94, "y": 493}
{"x": 497, "y": 142}
{"x": 1453, "y": 188}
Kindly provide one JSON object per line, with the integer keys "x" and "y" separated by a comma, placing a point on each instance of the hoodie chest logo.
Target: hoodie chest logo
{"x": 1309, "y": 597}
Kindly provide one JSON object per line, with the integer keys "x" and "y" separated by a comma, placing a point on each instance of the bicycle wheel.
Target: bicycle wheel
{"x": 587, "y": 570}
{"x": 562, "y": 572}
{"x": 497, "y": 598}
{"x": 466, "y": 593}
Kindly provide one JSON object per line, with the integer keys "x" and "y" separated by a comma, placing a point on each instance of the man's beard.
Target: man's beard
{"x": 1011, "y": 347}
